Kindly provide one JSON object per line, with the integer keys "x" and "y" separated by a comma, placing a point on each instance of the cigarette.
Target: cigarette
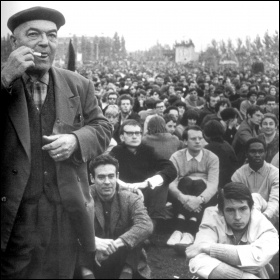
{"x": 37, "y": 54}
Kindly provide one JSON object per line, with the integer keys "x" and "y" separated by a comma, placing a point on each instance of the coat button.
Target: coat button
{"x": 86, "y": 204}
{"x": 58, "y": 120}
{"x": 15, "y": 172}
{"x": 46, "y": 173}
{"x": 3, "y": 199}
{"x": 78, "y": 179}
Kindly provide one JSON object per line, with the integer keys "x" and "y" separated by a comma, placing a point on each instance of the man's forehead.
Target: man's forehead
{"x": 195, "y": 133}
{"x": 43, "y": 25}
{"x": 232, "y": 203}
{"x": 105, "y": 169}
{"x": 256, "y": 146}
{"x": 132, "y": 128}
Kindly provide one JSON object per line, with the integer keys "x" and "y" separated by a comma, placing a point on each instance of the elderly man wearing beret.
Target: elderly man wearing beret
{"x": 51, "y": 126}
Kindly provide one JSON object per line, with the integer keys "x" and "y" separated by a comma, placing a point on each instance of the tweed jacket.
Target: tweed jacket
{"x": 77, "y": 112}
{"x": 129, "y": 221}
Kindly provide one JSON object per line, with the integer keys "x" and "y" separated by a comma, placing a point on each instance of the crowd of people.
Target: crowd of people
{"x": 81, "y": 193}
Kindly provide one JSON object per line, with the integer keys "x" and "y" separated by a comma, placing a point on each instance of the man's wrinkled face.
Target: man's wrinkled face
{"x": 105, "y": 180}
{"x": 41, "y": 36}
{"x": 237, "y": 214}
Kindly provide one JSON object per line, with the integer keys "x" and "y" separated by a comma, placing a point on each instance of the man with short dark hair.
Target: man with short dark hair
{"x": 193, "y": 101}
{"x": 235, "y": 241}
{"x": 196, "y": 183}
{"x": 248, "y": 129}
{"x": 260, "y": 177}
{"x": 251, "y": 100}
{"x": 141, "y": 168}
{"x": 121, "y": 226}
{"x": 209, "y": 107}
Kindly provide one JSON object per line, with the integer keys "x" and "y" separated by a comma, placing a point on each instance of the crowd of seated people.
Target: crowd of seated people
{"x": 208, "y": 143}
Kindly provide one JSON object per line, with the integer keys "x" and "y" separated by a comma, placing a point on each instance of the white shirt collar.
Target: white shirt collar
{"x": 198, "y": 157}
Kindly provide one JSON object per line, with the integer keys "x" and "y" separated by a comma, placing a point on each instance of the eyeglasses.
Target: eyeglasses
{"x": 112, "y": 98}
{"x": 136, "y": 133}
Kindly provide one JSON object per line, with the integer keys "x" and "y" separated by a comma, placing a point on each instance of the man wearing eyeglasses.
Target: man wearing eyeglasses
{"x": 140, "y": 168}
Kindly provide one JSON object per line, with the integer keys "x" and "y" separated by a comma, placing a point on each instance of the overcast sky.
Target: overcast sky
{"x": 144, "y": 23}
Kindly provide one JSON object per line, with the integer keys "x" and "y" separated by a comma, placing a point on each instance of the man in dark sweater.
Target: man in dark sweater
{"x": 140, "y": 168}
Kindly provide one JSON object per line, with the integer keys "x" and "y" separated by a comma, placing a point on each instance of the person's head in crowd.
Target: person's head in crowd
{"x": 229, "y": 117}
{"x": 113, "y": 98}
{"x": 193, "y": 137}
{"x": 170, "y": 123}
{"x": 261, "y": 94}
{"x": 132, "y": 90}
{"x": 159, "y": 80}
{"x": 150, "y": 103}
{"x": 270, "y": 103}
{"x": 261, "y": 104}
{"x": 112, "y": 114}
{"x": 252, "y": 97}
{"x": 164, "y": 98}
{"x": 269, "y": 124}
{"x": 253, "y": 88}
{"x": 254, "y": 115}
{"x": 212, "y": 100}
{"x": 213, "y": 131}
{"x": 141, "y": 96}
{"x": 172, "y": 100}
{"x": 131, "y": 133}
{"x": 193, "y": 94}
{"x": 104, "y": 172}
{"x": 182, "y": 107}
{"x": 215, "y": 81}
{"x": 126, "y": 104}
{"x": 156, "y": 125}
{"x": 155, "y": 94}
{"x": 192, "y": 85}
{"x": 183, "y": 78}
{"x": 171, "y": 90}
{"x": 190, "y": 118}
{"x": 235, "y": 202}
{"x": 265, "y": 87}
{"x": 160, "y": 107}
{"x": 244, "y": 89}
{"x": 255, "y": 153}
{"x": 180, "y": 92}
{"x": 221, "y": 105}
{"x": 207, "y": 78}
{"x": 272, "y": 91}
{"x": 229, "y": 91}
{"x": 128, "y": 82}
{"x": 172, "y": 110}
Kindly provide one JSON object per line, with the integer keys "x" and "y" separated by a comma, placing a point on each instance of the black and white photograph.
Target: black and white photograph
{"x": 139, "y": 140}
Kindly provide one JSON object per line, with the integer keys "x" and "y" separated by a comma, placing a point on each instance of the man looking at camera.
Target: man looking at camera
{"x": 51, "y": 126}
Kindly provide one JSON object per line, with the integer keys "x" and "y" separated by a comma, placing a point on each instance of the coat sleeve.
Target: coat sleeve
{"x": 94, "y": 137}
{"x": 142, "y": 226}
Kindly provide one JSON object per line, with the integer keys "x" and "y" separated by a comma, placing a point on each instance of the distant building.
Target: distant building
{"x": 185, "y": 52}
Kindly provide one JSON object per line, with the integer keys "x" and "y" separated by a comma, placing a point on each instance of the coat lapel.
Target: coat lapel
{"x": 65, "y": 101}
{"x": 18, "y": 113}
{"x": 99, "y": 212}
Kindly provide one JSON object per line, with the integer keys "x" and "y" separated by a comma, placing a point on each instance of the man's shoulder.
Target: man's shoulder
{"x": 70, "y": 76}
{"x": 180, "y": 154}
{"x": 209, "y": 155}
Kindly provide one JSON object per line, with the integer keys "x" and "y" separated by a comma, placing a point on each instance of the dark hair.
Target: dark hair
{"x": 150, "y": 103}
{"x": 113, "y": 93}
{"x": 269, "y": 98}
{"x": 180, "y": 103}
{"x": 141, "y": 91}
{"x": 158, "y": 102}
{"x": 169, "y": 117}
{"x": 185, "y": 135}
{"x": 260, "y": 101}
{"x": 270, "y": 116}
{"x": 252, "y": 110}
{"x": 252, "y": 141}
{"x": 126, "y": 97}
{"x": 102, "y": 160}
{"x": 236, "y": 191}
{"x": 214, "y": 130}
{"x": 221, "y": 103}
{"x": 250, "y": 93}
{"x": 260, "y": 93}
{"x": 207, "y": 98}
{"x": 229, "y": 113}
{"x": 167, "y": 111}
{"x": 129, "y": 122}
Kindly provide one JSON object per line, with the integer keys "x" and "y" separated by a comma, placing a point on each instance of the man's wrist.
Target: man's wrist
{"x": 5, "y": 82}
{"x": 206, "y": 248}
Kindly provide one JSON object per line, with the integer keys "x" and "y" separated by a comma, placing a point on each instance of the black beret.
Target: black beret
{"x": 36, "y": 13}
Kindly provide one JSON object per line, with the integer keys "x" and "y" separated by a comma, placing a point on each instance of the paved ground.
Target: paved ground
{"x": 165, "y": 263}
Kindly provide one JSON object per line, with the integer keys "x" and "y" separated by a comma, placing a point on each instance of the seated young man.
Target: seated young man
{"x": 121, "y": 225}
{"x": 196, "y": 184}
{"x": 260, "y": 177}
{"x": 140, "y": 168}
{"x": 235, "y": 241}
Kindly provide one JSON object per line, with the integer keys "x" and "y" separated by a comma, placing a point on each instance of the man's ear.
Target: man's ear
{"x": 118, "y": 175}
{"x": 122, "y": 138}
{"x": 13, "y": 42}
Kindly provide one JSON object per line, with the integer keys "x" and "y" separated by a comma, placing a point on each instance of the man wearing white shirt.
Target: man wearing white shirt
{"x": 196, "y": 183}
